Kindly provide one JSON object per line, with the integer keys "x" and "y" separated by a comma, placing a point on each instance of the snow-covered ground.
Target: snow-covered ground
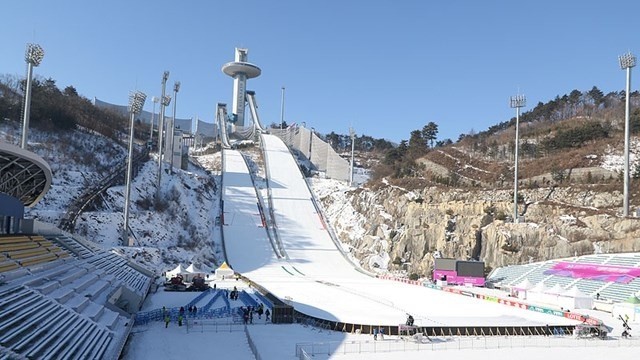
{"x": 187, "y": 233}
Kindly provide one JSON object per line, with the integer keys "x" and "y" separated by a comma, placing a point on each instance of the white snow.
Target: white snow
{"x": 314, "y": 275}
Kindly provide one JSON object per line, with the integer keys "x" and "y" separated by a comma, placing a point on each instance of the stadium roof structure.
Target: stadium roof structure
{"x": 23, "y": 174}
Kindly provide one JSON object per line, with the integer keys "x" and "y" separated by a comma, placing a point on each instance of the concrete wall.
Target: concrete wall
{"x": 321, "y": 155}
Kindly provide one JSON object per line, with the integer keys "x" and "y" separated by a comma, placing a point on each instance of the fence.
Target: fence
{"x": 421, "y": 343}
{"x": 142, "y": 318}
{"x": 200, "y": 325}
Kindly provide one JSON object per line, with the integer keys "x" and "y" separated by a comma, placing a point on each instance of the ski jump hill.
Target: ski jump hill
{"x": 283, "y": 247}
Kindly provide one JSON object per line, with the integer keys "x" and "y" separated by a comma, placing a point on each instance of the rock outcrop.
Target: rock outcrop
{"x": 394, "y": 229}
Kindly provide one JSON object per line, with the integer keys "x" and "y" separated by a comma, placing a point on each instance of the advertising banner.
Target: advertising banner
{"x": 608, "y": 273}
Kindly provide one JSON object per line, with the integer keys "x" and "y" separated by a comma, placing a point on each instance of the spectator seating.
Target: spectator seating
{"x": 81, "y": 250}
{"x": 512, "y": 275}
{"x": 620, "y": 292}
{"x": 54, "y": 305}
{"x": 27, "y": 251}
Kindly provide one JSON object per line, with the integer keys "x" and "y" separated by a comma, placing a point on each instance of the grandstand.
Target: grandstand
{"x": 60, "y": 297}
{"x": 609, "y": 288}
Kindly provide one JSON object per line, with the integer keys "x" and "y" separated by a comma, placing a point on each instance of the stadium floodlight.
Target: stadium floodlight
{"x": 33, "y": 56}
{"x": 352, "y": 134}
{"x": 136, "y": 103}
{"x": 516, "y": 102}
{"x": 627, "y": 61}
{"x": 155, "y": 100}
{"x": 164, "y": 101}
{"x": 176, "y": 88}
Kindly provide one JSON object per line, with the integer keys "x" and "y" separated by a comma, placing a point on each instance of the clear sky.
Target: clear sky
{"x": 384, "y": 67}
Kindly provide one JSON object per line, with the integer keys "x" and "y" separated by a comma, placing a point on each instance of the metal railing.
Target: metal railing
{"x": 420, "y": 343}
{"x": 202, "y": 325}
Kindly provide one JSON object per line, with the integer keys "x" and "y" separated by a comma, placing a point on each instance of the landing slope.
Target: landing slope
{"x": 317, "y": 279}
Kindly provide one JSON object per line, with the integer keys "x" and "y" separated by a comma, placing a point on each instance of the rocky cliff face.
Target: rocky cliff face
{"x": 394, "y": 229}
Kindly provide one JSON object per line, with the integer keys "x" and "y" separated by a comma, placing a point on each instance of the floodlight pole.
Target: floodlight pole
{"x": 176, "y": 88}
{"x": 155, "y": 100}
{"x": 311, "y": 144}
{"x": 136, "y": 103}
{"x": 163, "y": 103}
{"x": 282, "y": 110}
{"x": 516, "y": 102}
{"x": 33, "y": 56}
{"x": 627, "y": 61}
{"x": 352, "y": 133}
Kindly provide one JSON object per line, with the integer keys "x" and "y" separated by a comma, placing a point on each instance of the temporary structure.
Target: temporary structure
{"x": 539, "y": 293}
{"x": 224, "y": 272}
{"x": 178, "y": 270}
{"x": 522, "y": 288}
{"x": 575, "y": 299}
{"x": 192, "y": 272}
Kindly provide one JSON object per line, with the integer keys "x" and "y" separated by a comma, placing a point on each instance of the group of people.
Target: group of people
{"x": 167, "y": 316}
{"x": 233, "y": 295}
{"x": 247, "y": 313}
{"x": 378, "y": 331}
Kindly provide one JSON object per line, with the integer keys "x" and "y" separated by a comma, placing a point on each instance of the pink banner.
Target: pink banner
{"x": 609, "y": 273}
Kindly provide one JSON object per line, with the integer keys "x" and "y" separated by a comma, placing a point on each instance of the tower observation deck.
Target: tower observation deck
{"x": 240, "y": 70}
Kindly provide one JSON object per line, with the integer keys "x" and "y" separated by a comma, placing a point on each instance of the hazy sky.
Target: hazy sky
{"x": 384, "y": 67}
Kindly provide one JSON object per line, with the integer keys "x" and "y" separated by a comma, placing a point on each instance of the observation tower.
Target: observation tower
{"x": 240, "y": 70}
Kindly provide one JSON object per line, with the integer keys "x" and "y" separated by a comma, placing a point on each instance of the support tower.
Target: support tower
{"x": 240, "y": 70}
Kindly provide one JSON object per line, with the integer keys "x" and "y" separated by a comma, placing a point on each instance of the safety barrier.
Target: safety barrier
{"x": 417, "y": 343}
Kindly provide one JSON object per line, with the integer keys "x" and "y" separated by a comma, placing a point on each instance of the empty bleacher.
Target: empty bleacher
{"x": 54, "y": 303}
{"x": 117, "y": 266}
{"x": 81, "y": 250}
{"x": 36, "y": 326}
{"x": 27, "y": 251}
{"x": 593, "y": 259}
{"x": 622, "y": 260}
{"x": 620, "y": 292}
{"x": 512, "y": 275}
{"x": 564, "y": 282}
{"x": 590, "y": 287}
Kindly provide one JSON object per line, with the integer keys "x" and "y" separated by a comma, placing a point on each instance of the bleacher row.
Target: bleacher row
{"x": 118, "y": 267}
{"x": 82, "y": 250}
{"x": 513, "y": 275}
{"x": 60, "y": 309}
{"x": 37, "y": 326}
{"x": 25, "y": 251}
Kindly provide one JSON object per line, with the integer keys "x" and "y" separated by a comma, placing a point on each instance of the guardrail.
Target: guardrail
{"x": 441, "y": 344}
{"x": 201, "y": 325}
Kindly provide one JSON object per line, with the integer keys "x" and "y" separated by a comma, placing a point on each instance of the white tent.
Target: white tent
{"x": 538, "y": 293}
{"x": 178, "y": 270}
{"x": 192, "y": 272}
{"x": 575, "y": 299}
{"x": 522, "y": 289}
{"x": 556, "y": 290}
{"x": 224, "y": 272}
